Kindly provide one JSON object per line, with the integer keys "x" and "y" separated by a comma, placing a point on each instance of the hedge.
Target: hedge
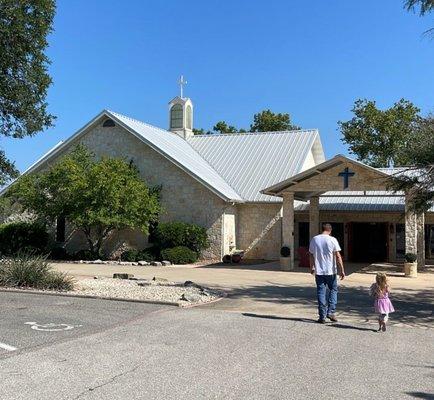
{"x": 175, "y": 234}
{"x": 179, "y": 255}
{"x": 23, "y": 236}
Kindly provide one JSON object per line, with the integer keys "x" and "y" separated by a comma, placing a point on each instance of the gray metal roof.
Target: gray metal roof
{"x": 180, "y": 153}
{"x": 250, "y": 162}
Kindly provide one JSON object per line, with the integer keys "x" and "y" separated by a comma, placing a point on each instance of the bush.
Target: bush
{"x": 179, "y": 255}
{"x": 410, "y": 257}
{"x": 130, "y": 255}
{"x": 26, "y": 270}
{"x": 175, "y": 234}
{"x": 148, "y": 254}
{"x": 85, "y": 255}
{"x": 59, "y": 253}
{"x": 23, "y": 236}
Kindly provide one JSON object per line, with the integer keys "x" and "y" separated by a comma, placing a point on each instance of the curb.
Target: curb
{"x": 83, "y": 296}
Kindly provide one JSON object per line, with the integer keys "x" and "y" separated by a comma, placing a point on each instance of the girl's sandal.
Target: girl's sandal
{"x": 383, "y": 327}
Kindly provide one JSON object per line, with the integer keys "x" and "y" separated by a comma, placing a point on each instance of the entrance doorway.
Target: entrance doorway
{"x": 368, "y": 242}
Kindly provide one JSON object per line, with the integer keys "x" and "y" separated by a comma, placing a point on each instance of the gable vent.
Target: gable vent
{"x": 108, "y": 123}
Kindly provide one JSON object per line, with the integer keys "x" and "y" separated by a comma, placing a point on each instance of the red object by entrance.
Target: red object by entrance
{"x": 303, "y": 257}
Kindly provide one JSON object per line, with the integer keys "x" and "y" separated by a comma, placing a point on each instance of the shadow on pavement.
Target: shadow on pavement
{"x": 412, "y": 306}
{"x": 309, "y": 321}
{"x": 421, "y": 395}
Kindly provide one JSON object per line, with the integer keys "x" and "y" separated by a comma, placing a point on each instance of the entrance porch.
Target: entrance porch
{"x": 366, "y": 231}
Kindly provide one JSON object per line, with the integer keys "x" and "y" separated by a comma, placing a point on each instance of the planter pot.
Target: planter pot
{"x": 410, "y": 269}
{"x": 285, "y": 264}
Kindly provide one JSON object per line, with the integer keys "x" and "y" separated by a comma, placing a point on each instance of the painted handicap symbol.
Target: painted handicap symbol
{"x": 51, "y": 327}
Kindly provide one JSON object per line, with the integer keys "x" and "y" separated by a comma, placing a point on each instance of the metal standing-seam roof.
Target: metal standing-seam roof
{"x": 180, "y": 153}
{"x": 251, "y": 161}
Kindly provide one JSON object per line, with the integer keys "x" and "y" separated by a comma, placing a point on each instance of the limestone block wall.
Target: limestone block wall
{"x": 183, "y": 198}
{"x": 259, "y": 230}
{"x": 229, "y": 229}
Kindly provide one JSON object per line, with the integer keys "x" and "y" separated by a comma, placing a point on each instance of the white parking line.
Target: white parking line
{"x": 7, "y": 347}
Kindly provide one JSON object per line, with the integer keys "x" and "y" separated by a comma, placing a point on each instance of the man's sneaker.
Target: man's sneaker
{"x": 321, "y": 321}
{"x": 332, "y": 318}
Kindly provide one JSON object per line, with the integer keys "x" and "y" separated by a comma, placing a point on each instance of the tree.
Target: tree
{"x": 424, "y": 6}
{"x": 223, "y": 127}
{"x": 418, "y": 180}
{"x": 379, "y": 137}
{"x": 24, "y": 80}
{"x": 267, "y": 121}
{"x": 95, "y": 196}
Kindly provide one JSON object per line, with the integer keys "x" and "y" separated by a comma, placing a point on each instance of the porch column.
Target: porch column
{"x": 420, "y": 220}
{"x": 288, "y": 224}
{"x": 313, "y": 216}
{"x": 410, "y": 228}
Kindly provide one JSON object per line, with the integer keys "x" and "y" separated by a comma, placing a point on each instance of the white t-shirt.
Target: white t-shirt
{"x": 322, "y": 247}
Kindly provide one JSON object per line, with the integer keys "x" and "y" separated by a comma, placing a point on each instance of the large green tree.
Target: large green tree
{"x": 380, "y": 137}
{"x": 268, "y": 121}
{"x": 95, "y": 196}
{"x": 24, "y": 79}
{"x": 418, "y": 179}
{"x": 264, "y": 121}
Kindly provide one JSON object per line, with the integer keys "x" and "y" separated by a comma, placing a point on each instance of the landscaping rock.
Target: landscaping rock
{"x": 192, "y": 284}
{"x": 191, "y": 297}
{"x": 159, "y": 280}
{"x": 156, "y": 264}
{"x": 122, "y": 276}
{"x": 126, "y": 263}
{"x": 166, "y": 263}
{"x": 143, "y": 263}
{"x": 97, "y": 262}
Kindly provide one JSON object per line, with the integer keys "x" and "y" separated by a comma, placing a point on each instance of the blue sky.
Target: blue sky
{"x": 312, "y": 59}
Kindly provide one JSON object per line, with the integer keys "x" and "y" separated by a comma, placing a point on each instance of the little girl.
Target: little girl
{"x": 383, "y": 306}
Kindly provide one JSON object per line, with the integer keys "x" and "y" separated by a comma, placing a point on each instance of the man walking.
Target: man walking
{"x": 324, "y": 257}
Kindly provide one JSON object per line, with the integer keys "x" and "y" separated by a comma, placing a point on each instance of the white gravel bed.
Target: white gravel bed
{"x": 152, "y": 290}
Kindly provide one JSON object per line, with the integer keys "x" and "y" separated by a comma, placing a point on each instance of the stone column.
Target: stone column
{"x": 410, "y": 228}
{"x": 313, "y": 216}
{"x": 392, "y": 241}
{"x": 288, "y": 224}
{"x": 420, "y": 221}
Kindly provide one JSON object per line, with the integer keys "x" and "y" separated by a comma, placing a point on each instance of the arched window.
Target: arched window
{"x": 108, "y": 123}
{"x": 188, "y": 118}
{"x": 176, "y": 116}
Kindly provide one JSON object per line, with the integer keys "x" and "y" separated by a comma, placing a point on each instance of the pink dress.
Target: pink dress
{"x": 382, "y": 304}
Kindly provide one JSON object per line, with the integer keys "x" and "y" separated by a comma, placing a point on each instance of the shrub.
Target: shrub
{"x": 174, "y": 234}
{"x": 410, "y": 257}
{"x": 148, "y": 254}
{"x": 26, "y": 270}
{"x": 85, "y": 255}
{"x": 130, "y": 255}
{"x": 59, "y": 253}
{"x": 22, "y": 236}
{"x": 179, "y": 255}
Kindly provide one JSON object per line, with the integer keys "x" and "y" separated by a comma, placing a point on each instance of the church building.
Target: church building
{"x": 255, "y": 191}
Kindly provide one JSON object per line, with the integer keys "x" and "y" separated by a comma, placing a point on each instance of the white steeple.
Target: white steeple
{"x": 181, "y": 113}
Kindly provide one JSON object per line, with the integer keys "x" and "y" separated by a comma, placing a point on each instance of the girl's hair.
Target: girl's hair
{"x": 382, "y": 284}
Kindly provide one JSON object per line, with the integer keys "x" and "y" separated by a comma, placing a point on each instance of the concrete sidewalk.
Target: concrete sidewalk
{"x": 262, "y": 289}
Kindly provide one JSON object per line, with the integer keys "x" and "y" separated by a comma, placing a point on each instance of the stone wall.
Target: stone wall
{"x": 183, "y": 198}
{"x": 259, "y": 230}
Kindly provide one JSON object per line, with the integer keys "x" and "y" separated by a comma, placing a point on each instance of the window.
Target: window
{"x": 60, "y": 229}
{"x": 176, "y": 117}
{"x": 188, "y": 124}
{"x": 108, "y": 123}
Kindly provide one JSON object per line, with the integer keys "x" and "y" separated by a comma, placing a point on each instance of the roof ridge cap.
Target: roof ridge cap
{"x": 314, "y": 130}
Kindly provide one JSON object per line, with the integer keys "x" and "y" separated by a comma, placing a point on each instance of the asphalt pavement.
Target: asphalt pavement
{"x": 94, "y": 349}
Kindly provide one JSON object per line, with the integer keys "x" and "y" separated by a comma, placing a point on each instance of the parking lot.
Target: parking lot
{"x": 30, "y": 321}
{"x": 67, "y": 348}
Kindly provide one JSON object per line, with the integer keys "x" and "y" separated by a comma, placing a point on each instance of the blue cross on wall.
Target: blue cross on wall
{"x": 346, "y": 173}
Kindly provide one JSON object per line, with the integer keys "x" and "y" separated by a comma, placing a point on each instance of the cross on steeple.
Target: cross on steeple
{"x": 182, "y": 82}
{"x": 346, "y": 173}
